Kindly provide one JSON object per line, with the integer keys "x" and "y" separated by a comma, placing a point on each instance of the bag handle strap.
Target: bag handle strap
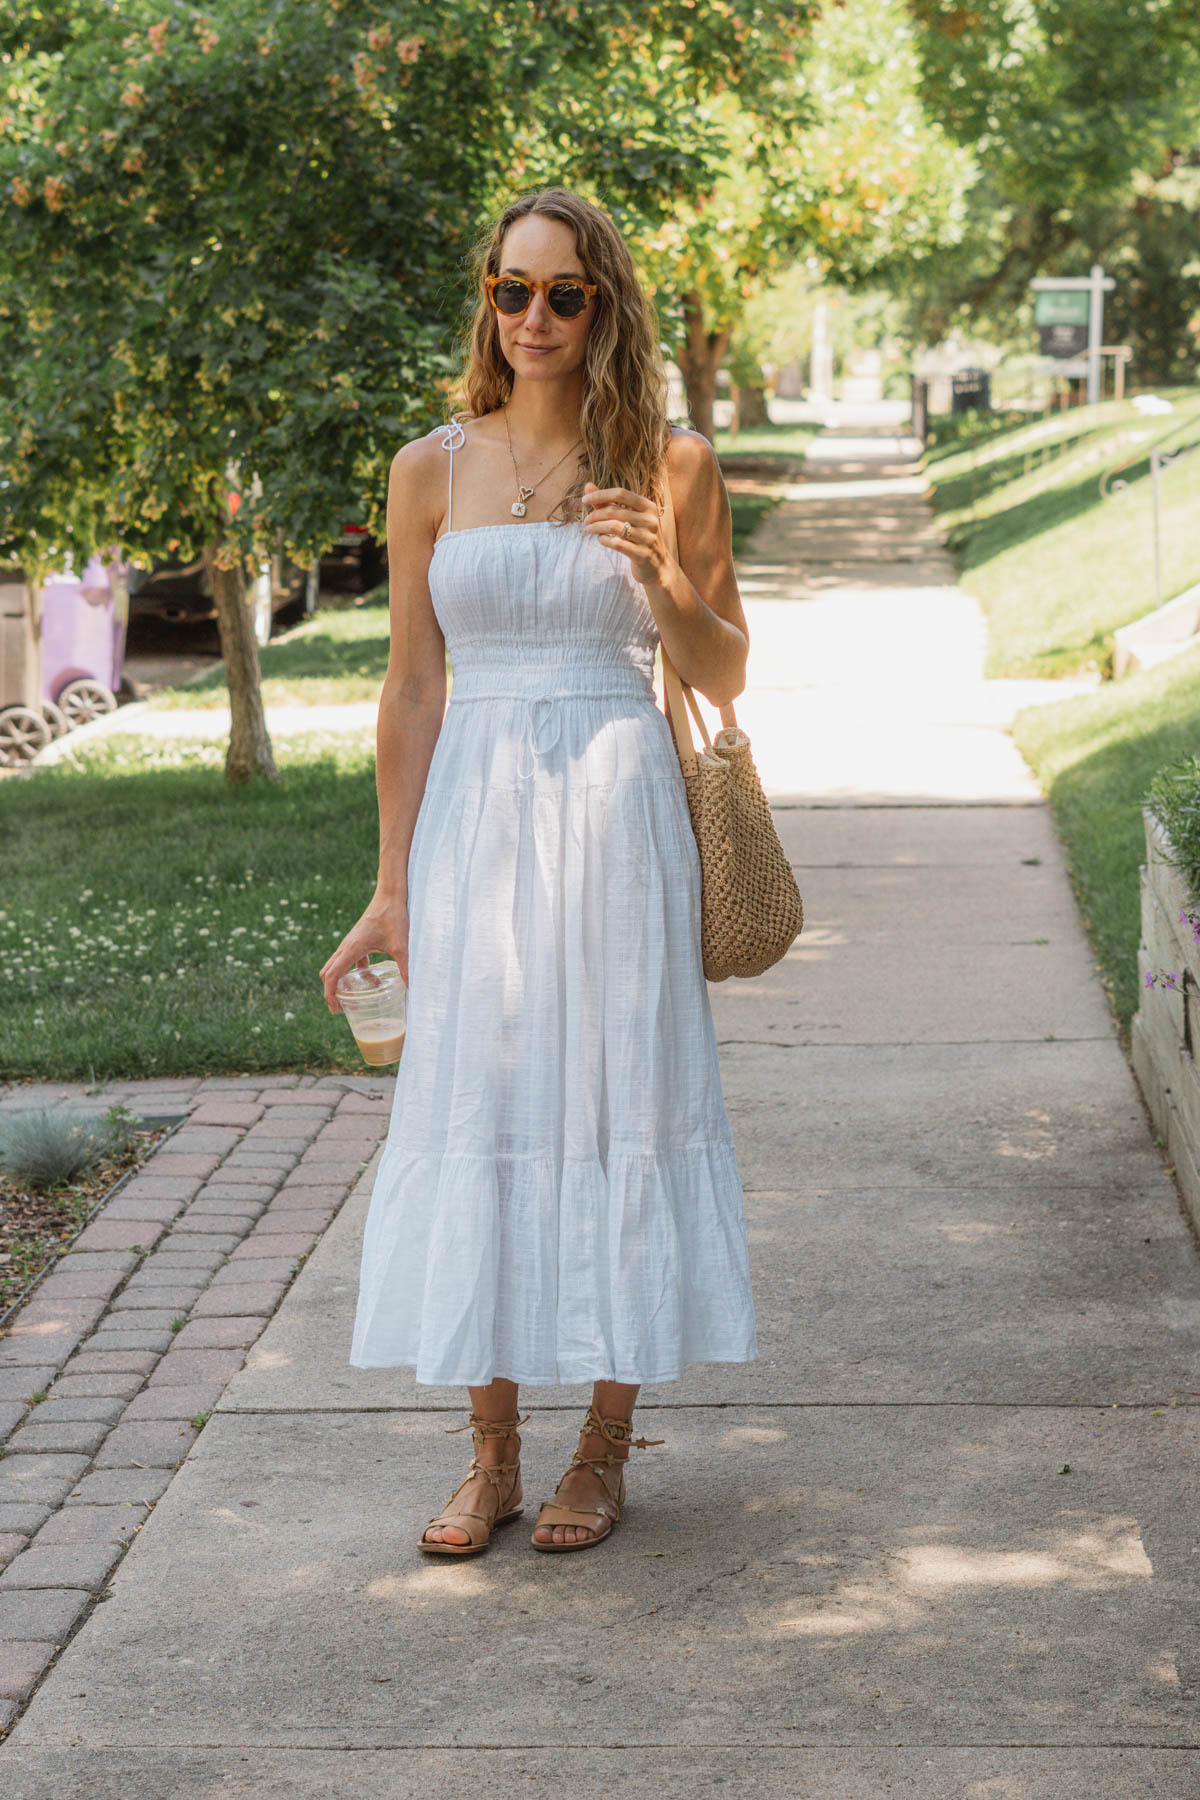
{"x": 675, "y": 691}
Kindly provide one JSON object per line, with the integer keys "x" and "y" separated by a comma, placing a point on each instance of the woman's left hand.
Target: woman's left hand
{"x": 611, "y": 510}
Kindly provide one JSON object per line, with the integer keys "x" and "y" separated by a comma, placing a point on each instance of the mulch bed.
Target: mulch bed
{"x": 36, "y": 1224}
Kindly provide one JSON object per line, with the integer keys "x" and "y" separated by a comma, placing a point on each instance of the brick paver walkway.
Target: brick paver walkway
{"x": 133, "y": 1334}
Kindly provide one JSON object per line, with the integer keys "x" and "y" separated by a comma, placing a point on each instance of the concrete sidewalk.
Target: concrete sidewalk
{"x": 940, "y": 1540}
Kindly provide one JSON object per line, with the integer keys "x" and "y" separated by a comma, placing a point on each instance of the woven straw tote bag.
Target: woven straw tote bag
{"x": 750, "y": 905}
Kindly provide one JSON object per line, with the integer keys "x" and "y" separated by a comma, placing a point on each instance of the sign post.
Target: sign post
{"x": 1069, "y": 313}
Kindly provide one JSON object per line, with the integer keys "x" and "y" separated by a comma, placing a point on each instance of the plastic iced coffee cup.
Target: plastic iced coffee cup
{"x": 374, "y": 1002}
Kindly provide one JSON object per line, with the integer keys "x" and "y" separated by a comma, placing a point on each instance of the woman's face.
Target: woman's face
{"x": 540, "y": 346}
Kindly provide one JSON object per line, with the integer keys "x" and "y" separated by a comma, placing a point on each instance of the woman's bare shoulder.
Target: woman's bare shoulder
{"x": 428, "y": 450}
{"x": 691, "y": 465}
{"x": 420, "y": 467}
{"x": 688, "y": 449}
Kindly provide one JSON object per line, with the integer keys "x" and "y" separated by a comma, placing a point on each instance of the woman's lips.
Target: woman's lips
{"x": 538, "y": 349}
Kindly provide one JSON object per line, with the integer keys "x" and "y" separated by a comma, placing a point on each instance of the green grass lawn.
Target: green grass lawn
{"x": 1055, "y": 566}
{"x": 787, "y": 443}
{"x": 158, "y": 921}
{"x": 337, "y": 656}
{"x": 1094, "y": 756}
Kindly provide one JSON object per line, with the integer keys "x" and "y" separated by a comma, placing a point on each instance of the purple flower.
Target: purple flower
{"x": 1149, "y": 978}
{"x": 1170, "y": 979}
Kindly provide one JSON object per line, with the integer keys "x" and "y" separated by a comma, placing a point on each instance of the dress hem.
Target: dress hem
{"x": 559, "y": 1379}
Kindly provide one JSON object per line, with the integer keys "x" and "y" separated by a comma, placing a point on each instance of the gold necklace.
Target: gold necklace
{"x": 526, "y": 493}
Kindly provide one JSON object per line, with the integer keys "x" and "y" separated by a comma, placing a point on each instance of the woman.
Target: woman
{"x": 558, "y": 1198}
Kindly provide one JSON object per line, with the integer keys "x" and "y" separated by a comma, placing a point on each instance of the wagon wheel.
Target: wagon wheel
{"x": 23, "y": 733}
{"x": 86, "y": 699}
{"x": 56, "y": 719}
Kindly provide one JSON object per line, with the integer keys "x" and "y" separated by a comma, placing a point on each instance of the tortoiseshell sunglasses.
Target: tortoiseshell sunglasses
{"x": 511, "y": 295}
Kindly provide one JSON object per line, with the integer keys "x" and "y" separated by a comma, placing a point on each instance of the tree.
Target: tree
{"x": 231, "y": 239}
{"x": 859, "y": 182}
{"x": 1083, "y": 117}
{"x": 218, "y": 238}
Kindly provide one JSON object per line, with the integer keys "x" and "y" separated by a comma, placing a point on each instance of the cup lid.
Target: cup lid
{"x": 371, "y": 980}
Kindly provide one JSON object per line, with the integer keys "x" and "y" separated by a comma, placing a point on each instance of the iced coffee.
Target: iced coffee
{"x": 373, "y": 998}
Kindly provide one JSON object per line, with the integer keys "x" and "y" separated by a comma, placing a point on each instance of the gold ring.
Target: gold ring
{"x": 628, "y": 531}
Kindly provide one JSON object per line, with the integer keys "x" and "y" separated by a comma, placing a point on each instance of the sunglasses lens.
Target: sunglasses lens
{"x": 567, "y": 299}
{"x": 510, "y": 296}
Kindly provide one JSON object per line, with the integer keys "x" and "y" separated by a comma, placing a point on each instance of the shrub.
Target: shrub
{"x": 1174, "y": 800}
{"x": 46, "y": 1146}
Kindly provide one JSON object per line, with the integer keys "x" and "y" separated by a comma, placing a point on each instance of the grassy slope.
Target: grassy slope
{"x": 1095, "y": 756}
{"x": 1056, "y": 567}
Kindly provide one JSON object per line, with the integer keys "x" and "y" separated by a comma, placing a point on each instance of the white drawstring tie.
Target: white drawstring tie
{"x": 534, "y": 730}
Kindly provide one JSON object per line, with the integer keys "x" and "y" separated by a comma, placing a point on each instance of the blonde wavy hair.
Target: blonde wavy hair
{"x": 623, "y": 418}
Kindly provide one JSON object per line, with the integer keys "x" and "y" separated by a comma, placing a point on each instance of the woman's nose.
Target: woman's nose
{"x": 538, "y": 311}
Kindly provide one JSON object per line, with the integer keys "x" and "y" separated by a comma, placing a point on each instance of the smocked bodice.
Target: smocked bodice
{"x": 534, "y": 605}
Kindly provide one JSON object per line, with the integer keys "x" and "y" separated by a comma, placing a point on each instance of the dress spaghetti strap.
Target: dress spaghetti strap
{"x": 452, "y": 443}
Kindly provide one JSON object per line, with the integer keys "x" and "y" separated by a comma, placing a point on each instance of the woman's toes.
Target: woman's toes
{"x": 446, "y": 1534}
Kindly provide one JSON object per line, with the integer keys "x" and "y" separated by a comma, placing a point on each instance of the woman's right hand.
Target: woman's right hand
{"x": 384, "y": 928}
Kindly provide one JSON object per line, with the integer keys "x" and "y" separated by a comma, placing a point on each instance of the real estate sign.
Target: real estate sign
{"x": 1061, "y": 316}
{"x": 1069, "y": 313}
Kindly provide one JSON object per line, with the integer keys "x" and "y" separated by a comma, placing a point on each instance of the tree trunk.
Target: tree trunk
{"x": 750, "y": 405}
{"x": 249, "y": 746}
{"x": 699, "y": 359}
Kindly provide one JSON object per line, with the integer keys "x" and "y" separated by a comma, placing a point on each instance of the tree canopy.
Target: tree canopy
{"x": 232, "y": 237}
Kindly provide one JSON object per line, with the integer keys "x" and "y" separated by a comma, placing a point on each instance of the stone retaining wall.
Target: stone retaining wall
{"x": 1165, "y": 1031}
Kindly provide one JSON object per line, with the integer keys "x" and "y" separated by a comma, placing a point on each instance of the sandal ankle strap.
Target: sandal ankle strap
{"x": 493, "y": 1471}
{"x": 489, "y": 1428}
{"x": 616, "y": 1431}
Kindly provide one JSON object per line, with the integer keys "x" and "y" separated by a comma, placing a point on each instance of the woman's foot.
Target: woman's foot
{"x": 587, "y": 1489}
{"x": 593, "y": 1487}
{"x": 490, "y": 1495}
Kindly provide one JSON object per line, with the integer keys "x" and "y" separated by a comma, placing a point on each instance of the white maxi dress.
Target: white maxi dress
{"x": 558, "y": 1198}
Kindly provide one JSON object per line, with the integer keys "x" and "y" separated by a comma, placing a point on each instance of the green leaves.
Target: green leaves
{"x": 233, "y": 239}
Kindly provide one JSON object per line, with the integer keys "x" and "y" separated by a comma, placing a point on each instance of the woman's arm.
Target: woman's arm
{"x": 413, "y": 701}
{"x": 412, "y": 705}
{"x": 696, "y": 601}
{"x": 694, "y": 597}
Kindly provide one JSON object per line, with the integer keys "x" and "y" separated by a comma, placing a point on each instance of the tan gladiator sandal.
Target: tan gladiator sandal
{"x": 508, "y": 1506}
{"x": 607, "y": 1511}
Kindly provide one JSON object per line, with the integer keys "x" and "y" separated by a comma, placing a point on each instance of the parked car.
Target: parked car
{"x": 356, "y": 563}
{"x": 181, "y": 593}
